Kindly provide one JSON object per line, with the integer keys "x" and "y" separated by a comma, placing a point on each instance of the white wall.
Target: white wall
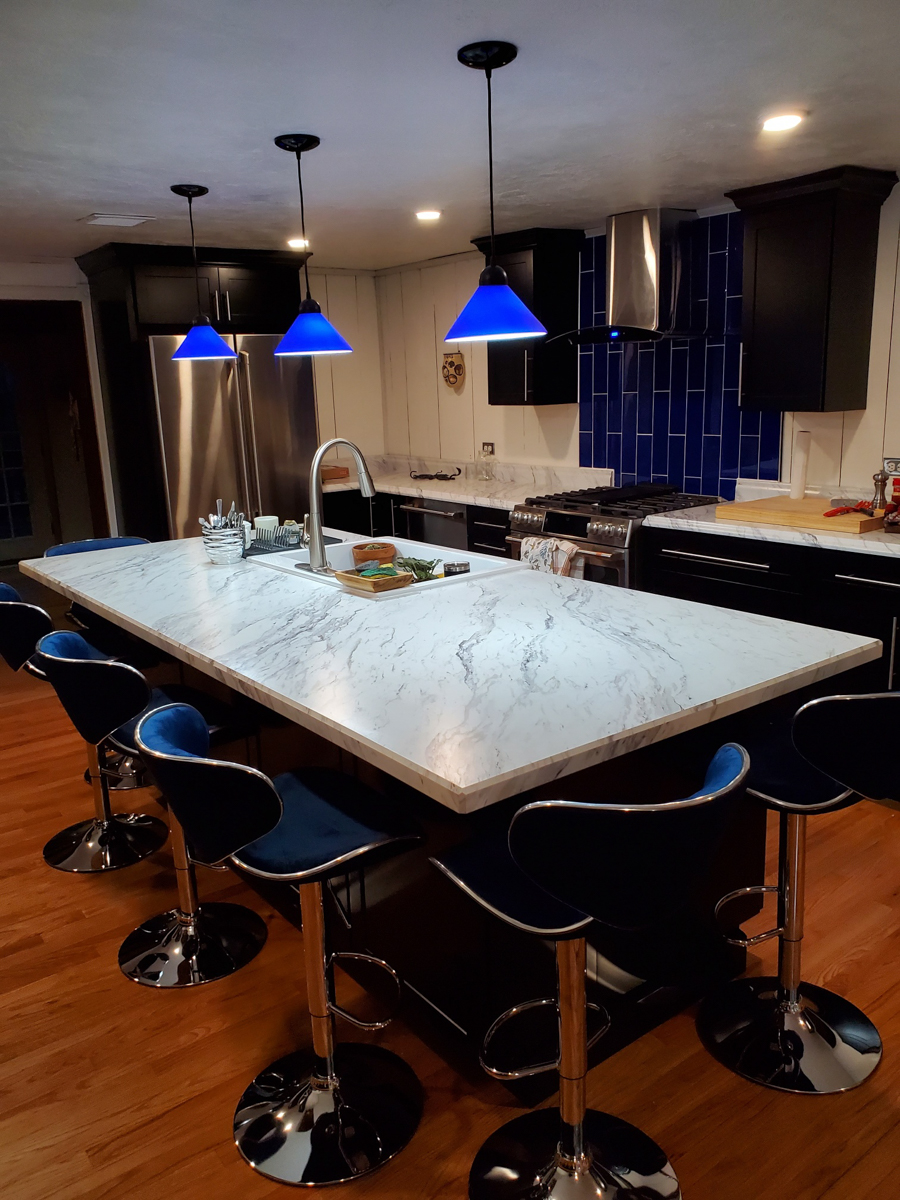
{"x": 846, "y": 449}
{"x": 63, "y": 280}
{"x": 425, "y": 418}
{"x": 348, "y": 386}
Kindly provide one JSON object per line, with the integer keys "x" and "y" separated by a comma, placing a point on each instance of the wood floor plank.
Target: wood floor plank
{"x": 111, "y": 1091}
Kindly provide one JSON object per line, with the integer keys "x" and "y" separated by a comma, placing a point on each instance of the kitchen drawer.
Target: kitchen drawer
{"x": 487, "y": 529}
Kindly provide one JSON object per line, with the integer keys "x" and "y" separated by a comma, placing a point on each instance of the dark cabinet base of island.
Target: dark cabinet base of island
{"x": 462, "y": 967}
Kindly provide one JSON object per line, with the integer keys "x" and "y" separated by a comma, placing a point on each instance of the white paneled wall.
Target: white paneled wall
{"x": 348, "y": 386}
{"x": 425, "y": 418}
{"x": 847, "y": 448}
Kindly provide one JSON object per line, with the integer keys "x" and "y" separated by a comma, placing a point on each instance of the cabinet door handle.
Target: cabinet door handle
{"x": 228, "y": 304}
{"x": 432, "y": 512}
{"x": 862, "y": 579}
{"x": 710, "y": 558}
{"x": 893, "y": 654}
{"x": 216, "y": 298}
{"x": 485, "y": 546}
{"x": 489, "y": 524}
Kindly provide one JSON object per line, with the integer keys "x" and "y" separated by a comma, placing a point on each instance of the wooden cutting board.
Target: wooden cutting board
{"x": 335, "y": 472}
{"x": 807, "y": 513}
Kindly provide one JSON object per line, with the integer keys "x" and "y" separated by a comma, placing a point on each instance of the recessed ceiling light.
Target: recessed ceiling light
{"x": 122, "y": 219}
{"x": 430, "y": 214}
{"x": 782, "y": 121}
{"x": 298, "y": 243}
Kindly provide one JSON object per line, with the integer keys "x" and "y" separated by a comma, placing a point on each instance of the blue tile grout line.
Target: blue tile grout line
{"x": 669, "y": 411}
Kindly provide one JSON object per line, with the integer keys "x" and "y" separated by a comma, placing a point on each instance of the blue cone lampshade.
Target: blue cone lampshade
{"x": 495, "y": 313}
{"x": 311, "y": 333}
{"x": 202, "y": 341}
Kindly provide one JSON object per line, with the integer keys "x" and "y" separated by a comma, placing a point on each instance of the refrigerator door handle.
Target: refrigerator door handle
{"x": 248, "y": 430}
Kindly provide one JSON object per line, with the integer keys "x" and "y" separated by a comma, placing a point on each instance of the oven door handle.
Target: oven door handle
{"x": 585, "y": 553}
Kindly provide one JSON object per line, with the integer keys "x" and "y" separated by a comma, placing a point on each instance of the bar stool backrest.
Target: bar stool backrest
{"x": 629, "y": 866}
{"x": 221, "y": 806}
{"x": 98, "y": 693}
{"x": 854, "y": 740}
{"x": 110, "y": 543}
{"x": 21, "y": 627}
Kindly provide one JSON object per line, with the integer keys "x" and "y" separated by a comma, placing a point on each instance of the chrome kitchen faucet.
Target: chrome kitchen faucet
{"x": 317, "y": 560}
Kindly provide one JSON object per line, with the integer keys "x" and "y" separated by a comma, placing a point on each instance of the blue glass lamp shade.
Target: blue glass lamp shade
{"x": 495, "y": 313}
{"x": 202, "y": 341}
{"x": 312, "y": 333}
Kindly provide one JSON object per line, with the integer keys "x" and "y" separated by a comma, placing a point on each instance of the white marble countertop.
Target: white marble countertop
{"x": 470, "y": 693}
{"x": 703, "y": 520}
{"x": 514, "y": 482}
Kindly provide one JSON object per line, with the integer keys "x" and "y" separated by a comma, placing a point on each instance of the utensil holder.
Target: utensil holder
{"x": 224, "y": 546}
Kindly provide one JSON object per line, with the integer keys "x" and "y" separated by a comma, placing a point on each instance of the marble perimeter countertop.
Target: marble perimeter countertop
{"x": 470, "y": 693}
{"x": 703, "y": 520}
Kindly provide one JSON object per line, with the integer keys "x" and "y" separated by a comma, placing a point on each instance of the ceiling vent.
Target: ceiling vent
{"x": 123, "y": 220}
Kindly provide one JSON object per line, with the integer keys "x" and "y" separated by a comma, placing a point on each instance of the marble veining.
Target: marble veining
{"x": 471, "y": 693}
{"x": 511, "y": 485}
{"x": 703, "y": 520}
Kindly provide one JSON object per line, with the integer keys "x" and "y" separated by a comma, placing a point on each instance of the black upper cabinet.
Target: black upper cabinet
{"x": 810, "y": 246}
{"x": 543, "y": 266}
{"x": 241, "y": 291}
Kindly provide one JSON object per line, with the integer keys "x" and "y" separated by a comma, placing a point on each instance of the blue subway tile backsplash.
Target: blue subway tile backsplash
{"x": 669, "y": 411}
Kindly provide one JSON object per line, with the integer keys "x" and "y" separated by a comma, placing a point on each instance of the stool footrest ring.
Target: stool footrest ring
{"x": 536, "y": 1068}
{"x": 759, "y": 889}
{"x": 378, "y": 962}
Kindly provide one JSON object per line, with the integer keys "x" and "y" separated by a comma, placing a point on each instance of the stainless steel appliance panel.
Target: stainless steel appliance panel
{"x": 201, "y": 435}
{"x": 278, "y": 401}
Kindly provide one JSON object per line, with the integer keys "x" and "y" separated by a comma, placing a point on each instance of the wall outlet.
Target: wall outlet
{"x": 487, "y": 447}
{"x": 892, "y": 465}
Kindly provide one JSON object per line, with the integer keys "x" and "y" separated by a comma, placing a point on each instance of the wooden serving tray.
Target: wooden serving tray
{"x": 377, "y": 583}
{"x": 807, "y": 513}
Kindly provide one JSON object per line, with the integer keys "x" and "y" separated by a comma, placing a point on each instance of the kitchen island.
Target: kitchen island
{"x": 471, "y": 693}
{"x": 471, "y": 696}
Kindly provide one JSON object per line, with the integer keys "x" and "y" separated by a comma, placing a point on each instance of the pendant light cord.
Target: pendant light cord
{"x": 190, "y": 200}
{"x": 490, "y": 124}
{"x": 303, "y": 225}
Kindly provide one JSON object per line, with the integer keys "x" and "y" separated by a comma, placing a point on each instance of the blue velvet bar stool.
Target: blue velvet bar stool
{"x": 563, "y": 865}
{"x": 22, "y": 626}
{"x": 781, "y": 1031}
{"x": 192, "y": 943}
{"x": 98, "y": 694}
{"x": 344, "y": 1109}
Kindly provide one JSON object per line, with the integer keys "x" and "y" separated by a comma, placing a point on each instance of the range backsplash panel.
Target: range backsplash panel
{"x": 668, "y": 411}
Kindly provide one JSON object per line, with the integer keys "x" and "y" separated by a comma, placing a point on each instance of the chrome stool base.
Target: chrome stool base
{"x": 521, "y": 1161}
{"x": 172, "y": 950}
{"x": 296, "y": 1129}
{"x": 823, "y": 1045}
{"x": 101, "y": 845}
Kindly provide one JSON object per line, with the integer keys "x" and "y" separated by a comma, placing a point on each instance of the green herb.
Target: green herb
{"x": 422, "y": 568}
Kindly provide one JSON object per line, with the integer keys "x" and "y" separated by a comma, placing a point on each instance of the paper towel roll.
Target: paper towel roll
{"x": 800, "y": 464}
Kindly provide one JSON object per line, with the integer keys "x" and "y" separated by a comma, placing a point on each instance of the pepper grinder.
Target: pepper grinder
{"x": 880, "y": 479}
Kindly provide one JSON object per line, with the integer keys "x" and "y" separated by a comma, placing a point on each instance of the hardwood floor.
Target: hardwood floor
{"x": 112, "y": 1090}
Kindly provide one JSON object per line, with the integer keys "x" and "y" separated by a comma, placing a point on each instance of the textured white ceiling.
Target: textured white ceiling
{"x": 610, "y": 105}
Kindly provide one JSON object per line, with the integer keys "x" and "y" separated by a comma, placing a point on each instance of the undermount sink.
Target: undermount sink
{"x": 340, "y": 558}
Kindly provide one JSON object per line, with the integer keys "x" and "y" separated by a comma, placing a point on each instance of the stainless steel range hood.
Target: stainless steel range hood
{"x": 648, "y": 286}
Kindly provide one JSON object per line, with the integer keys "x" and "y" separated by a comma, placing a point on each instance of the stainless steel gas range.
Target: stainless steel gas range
{"x": 603, "y": 522}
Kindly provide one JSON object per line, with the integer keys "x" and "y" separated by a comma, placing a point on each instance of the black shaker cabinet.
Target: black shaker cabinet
{"x": 810, "y": 245}
{"x": 833, "y": 589}
{"x": 542, "y": 266}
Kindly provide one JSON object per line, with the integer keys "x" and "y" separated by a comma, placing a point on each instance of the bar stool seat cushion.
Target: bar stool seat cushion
{"x": 486, "y": 870}
{"x": 328, "y": 819}
{"x": 784, "y": 779}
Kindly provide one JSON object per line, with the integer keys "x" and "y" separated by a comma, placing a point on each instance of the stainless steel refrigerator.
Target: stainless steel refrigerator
{"x": 241, "y": 429}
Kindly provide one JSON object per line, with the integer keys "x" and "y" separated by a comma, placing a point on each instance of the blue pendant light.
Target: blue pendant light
{"x": 311, "y": 332}
{"x": 202, "y": 341}
{"x": 495, "y": 313}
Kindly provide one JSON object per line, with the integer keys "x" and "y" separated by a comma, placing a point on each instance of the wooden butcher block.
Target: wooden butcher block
{"x": 807, "y": 513}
